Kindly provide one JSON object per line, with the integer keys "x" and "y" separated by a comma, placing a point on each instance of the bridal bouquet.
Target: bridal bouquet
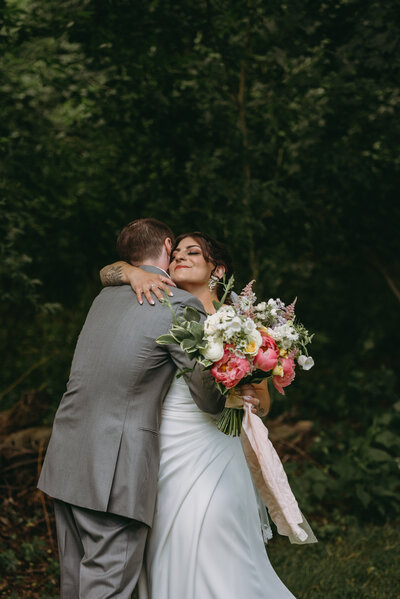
{"x": 242, "y": 343}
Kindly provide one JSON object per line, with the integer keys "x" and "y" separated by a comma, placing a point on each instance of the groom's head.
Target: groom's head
{"x": 146, "y": 241}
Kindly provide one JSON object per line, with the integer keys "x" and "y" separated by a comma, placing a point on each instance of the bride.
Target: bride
{"x": 206, "y": 541}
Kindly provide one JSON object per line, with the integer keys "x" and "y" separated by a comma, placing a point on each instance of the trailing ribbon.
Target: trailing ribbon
{"x": 271, "y": 480}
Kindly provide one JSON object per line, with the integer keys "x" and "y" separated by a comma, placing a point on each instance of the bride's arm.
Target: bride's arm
{"x": 262, "y": 393}
{"x": 142, "y": 282}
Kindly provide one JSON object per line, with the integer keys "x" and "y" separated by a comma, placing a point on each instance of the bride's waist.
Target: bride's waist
{"x": 182, "y": 406}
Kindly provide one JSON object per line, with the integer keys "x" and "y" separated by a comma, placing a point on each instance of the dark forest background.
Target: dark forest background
{"x": 274, "y": 127}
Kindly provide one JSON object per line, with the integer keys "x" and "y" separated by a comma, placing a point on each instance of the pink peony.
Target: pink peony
{"x": 267, "y": 359}
{"x": 288, "y": 375}
{"x": 230, "y": 369}
{"x": 267, "y": 341}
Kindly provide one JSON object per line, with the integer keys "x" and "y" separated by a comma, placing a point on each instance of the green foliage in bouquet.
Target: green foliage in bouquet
{"x": 188, "y": 332}
{"x": 228, "y": 287}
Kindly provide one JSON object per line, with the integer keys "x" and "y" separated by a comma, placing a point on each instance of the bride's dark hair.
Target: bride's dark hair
{"x": 213, "y": 251}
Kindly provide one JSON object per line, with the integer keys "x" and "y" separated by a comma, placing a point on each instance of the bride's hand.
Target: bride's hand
{"x": 142, "y": 282}
{"x": 257, "y": 394}
{"x": 249, "y": 394}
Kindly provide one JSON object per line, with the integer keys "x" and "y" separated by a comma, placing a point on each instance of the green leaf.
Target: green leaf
{"x": 188, "y": 345}
{"x": 179, "y": 333}
{"x": 363, "y": 496}
{"x": 387, "y": 439}
{"x": 166, "y": 340}
{"x": 378, "y": 455}
{"x": 191, "y": 314}
{"x": 196, "y": 329}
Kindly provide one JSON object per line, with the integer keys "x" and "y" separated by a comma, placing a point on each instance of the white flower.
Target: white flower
{"x": 213, "y": 351}
{"x": 305, "y": 362}
{"x": 248, "y": 326}
{"x": 210, "y": 328}
{"x": 284, "y": 334}
{"x": 254, "y": 341}
{"x": 261, "y": 307}
{"x": 235, "y": 324}
{"x": 225, "y": 313}
{"x": 211, "y": 323}
{"x": 245, "y": 303}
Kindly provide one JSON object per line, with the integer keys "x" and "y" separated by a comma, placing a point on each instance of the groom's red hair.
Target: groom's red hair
{"x": 142, "y": 240}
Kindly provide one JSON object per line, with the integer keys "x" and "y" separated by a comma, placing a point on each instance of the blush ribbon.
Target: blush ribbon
{"x": 271, "y": 480}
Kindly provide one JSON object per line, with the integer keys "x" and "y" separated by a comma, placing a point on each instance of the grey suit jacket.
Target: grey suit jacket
{"x": 104, "y": 450}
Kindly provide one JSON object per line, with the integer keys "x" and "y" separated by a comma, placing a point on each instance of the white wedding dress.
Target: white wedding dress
{"x": 206, "y": 541}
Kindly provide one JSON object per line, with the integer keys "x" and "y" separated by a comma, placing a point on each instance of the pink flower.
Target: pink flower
{"x": 288, "y": 375}
{"x": 267, "y": 359}
{"x": 230, "y": 369}
{"x": 267, "y": 341}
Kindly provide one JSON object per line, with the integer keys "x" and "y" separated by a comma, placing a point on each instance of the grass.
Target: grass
{"x": 357, "y": 563}
{"x": 352, "y": 562}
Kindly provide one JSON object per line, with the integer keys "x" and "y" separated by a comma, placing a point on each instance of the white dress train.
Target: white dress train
{"x": 206, "y": 540}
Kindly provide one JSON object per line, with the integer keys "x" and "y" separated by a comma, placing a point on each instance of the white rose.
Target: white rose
{"x": 306, "y": 362}
{"x": 254, "y": 341}
{"x": 213, "y": 351}
{"x": 210, "y": 328}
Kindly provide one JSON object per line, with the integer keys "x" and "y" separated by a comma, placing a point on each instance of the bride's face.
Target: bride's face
{"x": 188, "y": 266}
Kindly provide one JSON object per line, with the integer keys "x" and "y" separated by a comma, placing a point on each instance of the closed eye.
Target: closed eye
{"x": 189, "y": 254}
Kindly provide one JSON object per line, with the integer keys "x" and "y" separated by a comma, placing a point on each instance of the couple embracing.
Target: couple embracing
{"x": 147, "y": 491}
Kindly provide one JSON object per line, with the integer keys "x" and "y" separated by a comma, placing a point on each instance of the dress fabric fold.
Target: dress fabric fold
{"x": 206, "y": 541}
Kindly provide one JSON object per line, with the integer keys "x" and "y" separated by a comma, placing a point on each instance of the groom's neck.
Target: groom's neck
{"x": 162, "y": 262}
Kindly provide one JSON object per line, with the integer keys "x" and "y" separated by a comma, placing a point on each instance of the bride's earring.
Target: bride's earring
{"x": 212, "y": 283}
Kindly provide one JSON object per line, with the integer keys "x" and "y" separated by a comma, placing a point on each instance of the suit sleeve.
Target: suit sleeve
{"x": 200, "y": 381}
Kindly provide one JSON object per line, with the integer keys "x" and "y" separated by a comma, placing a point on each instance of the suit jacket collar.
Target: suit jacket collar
{"x": 155, "y": 269}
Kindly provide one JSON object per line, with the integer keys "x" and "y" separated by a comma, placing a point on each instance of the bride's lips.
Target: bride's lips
{"x": 181, "y": 266}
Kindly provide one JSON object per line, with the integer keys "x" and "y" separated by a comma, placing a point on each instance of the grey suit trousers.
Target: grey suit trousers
{"x": 101, "y": 554}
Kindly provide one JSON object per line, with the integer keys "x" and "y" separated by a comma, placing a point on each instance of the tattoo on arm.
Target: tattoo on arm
{"x": 111, "y": 275}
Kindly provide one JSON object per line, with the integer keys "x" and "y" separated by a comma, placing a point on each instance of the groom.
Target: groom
{"x": 102, "y": 461}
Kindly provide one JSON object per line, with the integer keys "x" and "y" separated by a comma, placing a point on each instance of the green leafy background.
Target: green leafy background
{"x": 272, "y": 126}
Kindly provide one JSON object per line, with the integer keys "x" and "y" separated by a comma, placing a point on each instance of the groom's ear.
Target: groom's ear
{"x": 168, "y": 245}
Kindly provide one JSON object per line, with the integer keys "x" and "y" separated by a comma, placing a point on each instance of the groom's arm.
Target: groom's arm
{"x": 200, "y": 381}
